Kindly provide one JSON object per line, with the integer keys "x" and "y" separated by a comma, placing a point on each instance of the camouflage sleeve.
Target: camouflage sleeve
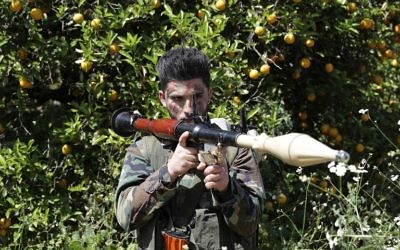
{"x": 141, "y": 190}
{"x": 242, "y": 205}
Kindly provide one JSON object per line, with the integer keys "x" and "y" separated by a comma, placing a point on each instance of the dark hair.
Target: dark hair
{"x": 183, "y": 64}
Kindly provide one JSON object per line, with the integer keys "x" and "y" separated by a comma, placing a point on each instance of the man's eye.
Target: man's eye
{"x": 198, "y": 96}
{"x": 177, "y": 98}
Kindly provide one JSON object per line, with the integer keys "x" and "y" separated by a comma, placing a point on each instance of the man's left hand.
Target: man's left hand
{"x": 216, "y": 176}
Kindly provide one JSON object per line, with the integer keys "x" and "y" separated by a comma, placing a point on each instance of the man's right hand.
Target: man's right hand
{"x": 183, "y": 158}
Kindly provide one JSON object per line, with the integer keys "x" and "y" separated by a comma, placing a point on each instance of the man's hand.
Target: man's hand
{"x": 216, "y": 176}
{"x": 183, "y": 159}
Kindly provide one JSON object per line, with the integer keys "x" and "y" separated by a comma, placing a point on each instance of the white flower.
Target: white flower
{"x": 341, "y": 169}
{"x": 332, "y": 242}
{"x": 299, "y": 170}
{"x": 363, "y": 111}
{"x": 340, "y": 232}
{"x": 394, "y": 177}
{"x": 354, "y": 169}
{"x": 397, "y": 220}
{"x": 304, "y": 178}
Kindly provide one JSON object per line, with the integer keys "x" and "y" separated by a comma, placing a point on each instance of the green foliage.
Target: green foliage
{"x": 77, "y": 72}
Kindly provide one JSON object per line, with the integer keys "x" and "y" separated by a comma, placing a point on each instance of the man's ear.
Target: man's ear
{"x": 210, "y": 93}
{"x": 161, "y": 96}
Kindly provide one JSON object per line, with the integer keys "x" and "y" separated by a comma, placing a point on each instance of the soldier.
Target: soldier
{"x": 167, "y": 195}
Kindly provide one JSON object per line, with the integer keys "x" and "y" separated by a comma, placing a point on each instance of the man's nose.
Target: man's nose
{"x": 188, "y": 108}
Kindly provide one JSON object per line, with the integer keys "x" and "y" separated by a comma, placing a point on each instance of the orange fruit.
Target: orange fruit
{"x": 323, "y": 184}
{"x": 113, "y": 96}
{"x": 86, "y": 66}
{"x": 296, "y": 74}
{"x": 364, "y": 117}
{"x": 236, "y": 100}
{"x": 272, "y": 18}
{"x": 392, "y": 102}
{"x": 366, "y": 24}
{"x": 397, "y": 28}
{"x": 156, "y": 3}
{"x": 325, "y": 128}
{"x": 303, "y": 115}
{"x": 304, "y": 125}
{"x": 329, "y": 68}
{"x": 338, "y": 138}
{"x": 254, "y": 74}
{"x": 259, "y": 30}
{"x": 311, "y": 96}
{"x": 66, "y": 149}
{"x": 389, "y": 53}
{"x": 95, "y": 23}
{"x": 22, "y": 54}
{"x": 371, "y": 44}
{"x": 220, "y": 5}
{"x": 114, "y": 48}
{"x": 265, "y": 69}
{"x": 281, "y": 199}
{"x": 394, "y": 63}
{"x": 296, "y": 1}
{"x": 381, "y": 45}
{"x": 305, "y": 63}
{"x": 24, "y": 83}
{"x": 2, "y": 222}
{"x": 15, "y": 6}
{"x": 201, "y": 14}
{"x": 314, "y": 179}
{"x": 378, "y": 79}
{"x": 351, "y": 7}
{"x": 310, "y": 43}
{"x": 78, "y": 18}
{"x": 359, "y": 148}
{"x": 269, "y": 205}
{"x": 36, "y": 14}
{"x": 289, "y": 38}
{"x": 62, "y": 183}
{"x": 333, "y": 132}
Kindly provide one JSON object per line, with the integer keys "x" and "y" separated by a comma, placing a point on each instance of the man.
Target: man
{"x": 167, "y": 191}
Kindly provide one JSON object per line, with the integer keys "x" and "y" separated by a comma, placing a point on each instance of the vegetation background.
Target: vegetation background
{"x": 328, "y": 68}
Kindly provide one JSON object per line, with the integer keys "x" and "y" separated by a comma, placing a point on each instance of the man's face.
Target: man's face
{"x": 180, "y": 97}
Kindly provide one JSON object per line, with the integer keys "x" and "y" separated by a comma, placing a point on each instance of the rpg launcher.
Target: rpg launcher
{"x": 296, "y": 149}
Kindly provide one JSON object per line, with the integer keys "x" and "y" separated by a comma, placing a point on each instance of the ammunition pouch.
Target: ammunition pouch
{"x": 174, "y": 240}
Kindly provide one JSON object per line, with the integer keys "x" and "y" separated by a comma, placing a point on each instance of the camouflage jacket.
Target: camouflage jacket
{"x": 147, "y": 201}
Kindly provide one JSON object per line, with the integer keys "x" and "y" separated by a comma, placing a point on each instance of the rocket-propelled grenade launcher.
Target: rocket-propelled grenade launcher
{"x": 296, "y": 149}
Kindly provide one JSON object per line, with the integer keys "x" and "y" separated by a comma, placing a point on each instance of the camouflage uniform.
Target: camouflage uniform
{"x": 147, "y": 201}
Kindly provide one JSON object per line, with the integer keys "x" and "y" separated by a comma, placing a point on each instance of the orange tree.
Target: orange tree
{"x": 305, "y": 66}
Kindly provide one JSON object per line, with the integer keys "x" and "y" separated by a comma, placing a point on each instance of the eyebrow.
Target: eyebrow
{"x": 174, "y": 94}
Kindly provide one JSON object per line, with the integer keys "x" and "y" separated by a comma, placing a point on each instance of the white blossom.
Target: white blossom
{"x": 394, "y": 177}
{"x": 332, "y": 241}
{"x": 363, "y": 111}
{"x": 304, "y": 178}
{"x": 397, "y": 220}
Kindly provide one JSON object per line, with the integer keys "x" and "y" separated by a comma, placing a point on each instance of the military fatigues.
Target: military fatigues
{"x": 147, "y": 201}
